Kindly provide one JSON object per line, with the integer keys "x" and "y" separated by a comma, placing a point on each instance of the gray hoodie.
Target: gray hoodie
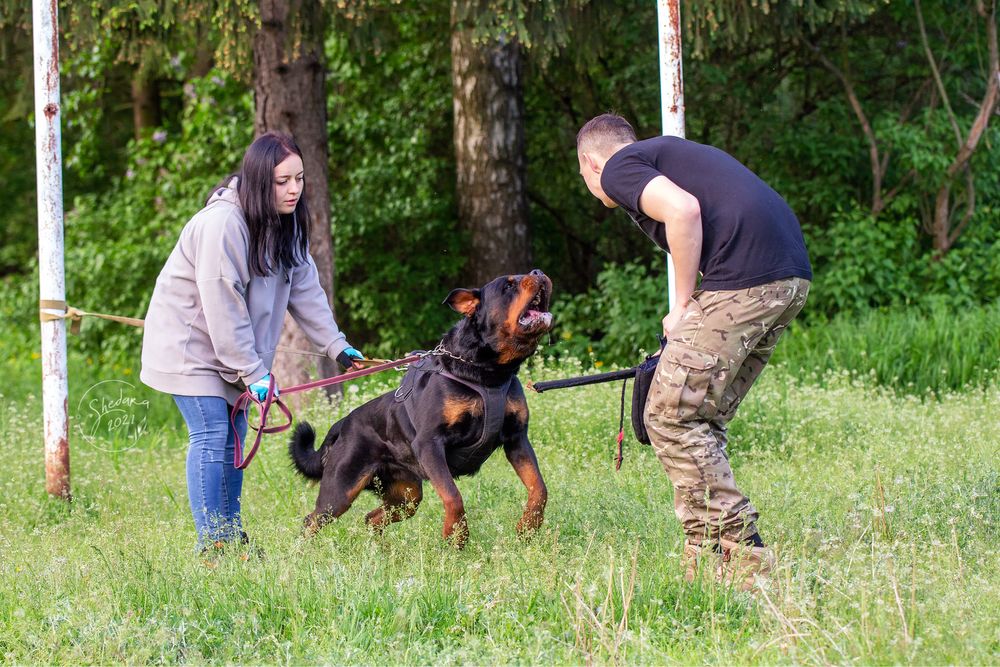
{"x": 212, "y": 327}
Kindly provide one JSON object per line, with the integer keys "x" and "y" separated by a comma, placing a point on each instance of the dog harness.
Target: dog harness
{"x": 494, "y": 405}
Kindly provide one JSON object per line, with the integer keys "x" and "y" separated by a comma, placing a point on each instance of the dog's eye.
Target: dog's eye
{"x": 508, "y": 286}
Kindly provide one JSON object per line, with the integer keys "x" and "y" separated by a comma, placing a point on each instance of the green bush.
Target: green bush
{"x": 615, "y": 321}
{"x": 867, "y": 263}
{"x": 861, "y": 263}
{"x": 116, "y": 242}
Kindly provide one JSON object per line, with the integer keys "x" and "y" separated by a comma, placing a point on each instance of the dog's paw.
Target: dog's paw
{"x": 311, "y": 525}
{"x": 376, "y": 520}
{"x": 528, "y": 524}
{"x": 457, "y": 534}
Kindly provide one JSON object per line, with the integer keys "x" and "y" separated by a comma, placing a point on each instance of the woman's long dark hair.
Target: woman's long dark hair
{"x": 277, "y": 242}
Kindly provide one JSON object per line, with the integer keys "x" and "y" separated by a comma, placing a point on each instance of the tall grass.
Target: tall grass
{"x": 881, "y": 507}
{"x": 912, "y": 351}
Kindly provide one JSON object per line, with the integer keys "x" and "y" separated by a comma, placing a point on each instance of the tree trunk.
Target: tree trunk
{"x": 145, "y": 102}
{"x": 290, "y": 96}
{"x": 204, "y": 59}
{"x": 944, "y": 233}
{"x": 489, "y": 152}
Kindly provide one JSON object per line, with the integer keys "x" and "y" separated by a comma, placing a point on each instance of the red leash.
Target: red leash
{"x": 248, "y": 397}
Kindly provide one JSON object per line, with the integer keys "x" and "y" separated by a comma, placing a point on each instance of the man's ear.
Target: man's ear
{"x": 592, "y": 163}
{"x": 463, "y": 301}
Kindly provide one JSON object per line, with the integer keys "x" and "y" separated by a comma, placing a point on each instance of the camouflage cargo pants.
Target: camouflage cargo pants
{"x": 712, "y": 359}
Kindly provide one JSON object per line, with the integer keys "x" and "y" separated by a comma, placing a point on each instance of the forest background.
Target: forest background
{"x": 871, "y": 118}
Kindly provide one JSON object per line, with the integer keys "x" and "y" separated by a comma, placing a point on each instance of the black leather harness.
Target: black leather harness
{"x": 494, "y": 405}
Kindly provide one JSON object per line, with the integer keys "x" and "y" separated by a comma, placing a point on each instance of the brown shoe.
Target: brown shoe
{"x": 743, "y": 566}
{"x": 698, "y": 556}
{"x": 243, "y": 549}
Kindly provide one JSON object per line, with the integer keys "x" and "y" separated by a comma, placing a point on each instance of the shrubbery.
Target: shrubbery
{"x": 116, "y": 242}
{"x": 398, "y": 249}
{"x": 935, "y": 329}
{"x": 611, "y": 322}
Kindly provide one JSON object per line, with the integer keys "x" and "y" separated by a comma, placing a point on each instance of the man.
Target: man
{"x": 718, "y": 218}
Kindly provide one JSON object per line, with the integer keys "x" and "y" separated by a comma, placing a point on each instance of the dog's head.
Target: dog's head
{"x": 510, "y": 314}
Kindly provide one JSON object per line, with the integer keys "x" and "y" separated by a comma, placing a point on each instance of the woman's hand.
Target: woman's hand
{"x": 347, "y": 358}
{"x": 260, "y": 387}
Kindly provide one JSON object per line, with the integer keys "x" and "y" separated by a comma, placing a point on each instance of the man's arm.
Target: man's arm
{"x": 679, "y": 210}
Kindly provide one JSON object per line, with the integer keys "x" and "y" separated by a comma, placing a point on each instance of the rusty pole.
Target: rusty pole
{"x": 668, "y": 13}
{"x": 52, "y": 282}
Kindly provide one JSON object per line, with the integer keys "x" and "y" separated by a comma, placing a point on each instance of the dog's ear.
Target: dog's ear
{"x": 463, "y": 301}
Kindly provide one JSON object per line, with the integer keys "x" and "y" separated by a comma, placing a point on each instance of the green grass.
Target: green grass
{"x": 882, "y": 507}
{"x": 913, "y": 350}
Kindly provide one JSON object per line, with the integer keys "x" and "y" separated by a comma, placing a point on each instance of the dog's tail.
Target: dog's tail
{"x": 308, "y": 461}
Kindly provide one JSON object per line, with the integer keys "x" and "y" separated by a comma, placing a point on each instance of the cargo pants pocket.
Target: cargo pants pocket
{"x": 685, "y": 375}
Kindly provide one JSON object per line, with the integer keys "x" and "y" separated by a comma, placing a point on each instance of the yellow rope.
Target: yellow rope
{"x": 76, "y": 315}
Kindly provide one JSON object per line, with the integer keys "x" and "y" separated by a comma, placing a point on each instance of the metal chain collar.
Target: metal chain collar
{"x": 442, "y": 351}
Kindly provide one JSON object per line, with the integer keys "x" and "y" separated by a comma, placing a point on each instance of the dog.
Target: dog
{"x": 452, "y": 410}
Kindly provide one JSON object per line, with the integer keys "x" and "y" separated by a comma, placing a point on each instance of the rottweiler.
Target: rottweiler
{"x": 452, "y": 410}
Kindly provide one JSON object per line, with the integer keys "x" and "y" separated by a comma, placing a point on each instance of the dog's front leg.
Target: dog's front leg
{"x": 522, "y": 457}
{"x": 430, "y": 456}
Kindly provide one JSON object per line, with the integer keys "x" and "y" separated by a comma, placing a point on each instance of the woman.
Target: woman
{"x": 216, "y": 315}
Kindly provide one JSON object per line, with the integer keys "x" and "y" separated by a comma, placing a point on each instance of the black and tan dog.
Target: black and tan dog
{"x": 452, "y": 410}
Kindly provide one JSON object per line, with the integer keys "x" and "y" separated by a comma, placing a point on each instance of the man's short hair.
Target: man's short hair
{"x": 604, "y": 133}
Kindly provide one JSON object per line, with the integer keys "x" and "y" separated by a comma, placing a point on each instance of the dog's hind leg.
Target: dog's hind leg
{"x": 399, "y": 502}
{"x": 337, "y": 492}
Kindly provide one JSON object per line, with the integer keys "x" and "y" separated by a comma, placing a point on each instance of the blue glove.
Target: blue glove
{"x": 259, "y": 388}
{"x": 347, "y": 357}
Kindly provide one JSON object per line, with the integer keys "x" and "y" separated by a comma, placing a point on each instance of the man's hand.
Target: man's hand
{"x": 673, "y": 318}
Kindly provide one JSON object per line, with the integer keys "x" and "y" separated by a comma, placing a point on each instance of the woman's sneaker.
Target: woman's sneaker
{"x": 243, "y": 548}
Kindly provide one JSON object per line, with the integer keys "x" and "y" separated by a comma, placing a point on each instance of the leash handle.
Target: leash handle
{"x": 580, "y": 381}
{"x": 243, "y": 404}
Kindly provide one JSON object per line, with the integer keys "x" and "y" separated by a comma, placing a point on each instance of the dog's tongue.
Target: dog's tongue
{"x": 533, "y": 315}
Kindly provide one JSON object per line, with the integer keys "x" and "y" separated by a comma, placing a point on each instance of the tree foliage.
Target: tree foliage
{"x": 835, "y": 104}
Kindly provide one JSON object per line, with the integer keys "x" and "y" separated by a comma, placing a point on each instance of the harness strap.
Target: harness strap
{"x": 494, "y": 408}
{"x": 494, "y": 400}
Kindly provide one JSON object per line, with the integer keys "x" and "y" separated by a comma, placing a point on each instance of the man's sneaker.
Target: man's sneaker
{"x": 698, "y": 556}
{"x": 743, "y": 566}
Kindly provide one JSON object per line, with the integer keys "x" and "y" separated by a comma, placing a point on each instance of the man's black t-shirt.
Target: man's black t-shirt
{"x": 750, "y": 236}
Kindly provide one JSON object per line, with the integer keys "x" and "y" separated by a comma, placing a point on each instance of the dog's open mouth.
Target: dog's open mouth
{"x": 536, "y": 316}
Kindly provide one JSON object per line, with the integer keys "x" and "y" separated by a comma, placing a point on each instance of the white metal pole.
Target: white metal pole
{"x": 668, "y": 13}
{"x": 52, "y": 283}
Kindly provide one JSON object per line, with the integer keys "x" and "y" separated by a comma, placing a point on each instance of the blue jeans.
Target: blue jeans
{"x": 214, "y": 483}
